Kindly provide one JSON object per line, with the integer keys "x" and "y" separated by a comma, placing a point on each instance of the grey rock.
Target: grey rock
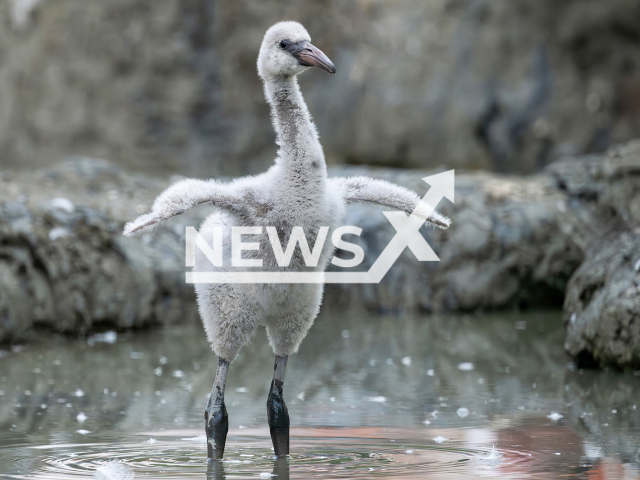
{"x": 602, "y": 191}
{"x": 515, "y": 242}
{"x": 506, "y": 247}
{"x": 602, "y": 305}
{"x": 64, "y": 265}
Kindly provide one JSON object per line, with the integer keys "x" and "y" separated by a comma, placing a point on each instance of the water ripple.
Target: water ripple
{"x": 177, "y": 456}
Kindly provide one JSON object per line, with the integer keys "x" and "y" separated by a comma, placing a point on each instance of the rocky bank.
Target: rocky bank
{"x": 567, "y": 234}
{"x": 602, "y": 299}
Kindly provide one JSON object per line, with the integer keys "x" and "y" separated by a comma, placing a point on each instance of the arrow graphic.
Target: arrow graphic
{"x": 407, "y": 236}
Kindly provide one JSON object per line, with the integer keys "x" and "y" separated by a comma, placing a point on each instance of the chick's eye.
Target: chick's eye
{"x": 283, "y": 44}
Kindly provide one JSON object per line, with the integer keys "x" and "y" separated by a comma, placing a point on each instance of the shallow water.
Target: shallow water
{"x": 369, "y": 397}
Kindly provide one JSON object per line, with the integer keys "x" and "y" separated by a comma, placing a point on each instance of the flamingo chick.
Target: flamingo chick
{"x": 294, "y": 192}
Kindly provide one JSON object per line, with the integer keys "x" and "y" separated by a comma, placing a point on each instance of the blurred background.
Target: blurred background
{"x": 171, "y": 86}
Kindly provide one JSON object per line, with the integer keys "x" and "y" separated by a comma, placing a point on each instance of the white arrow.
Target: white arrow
{"x": 442, "y": 185}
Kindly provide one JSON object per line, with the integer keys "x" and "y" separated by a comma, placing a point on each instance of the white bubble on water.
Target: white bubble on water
{"x": 83, "y": 432}
{"x": 151, "y": 441}
{"x": 81, "y": 417}
{"x": 466, "y": 366}
{"x": 114, "y": 470}
{"x": 462, "y": 412}
{"x": 266, "y": 475}
{"x": 199, "y": 439}
{"x": 158, "y": 371}
{"x": 379, "y": 399}
{"x": 430, "y": 372}
{"x": 242, "y": 389}
{"x": 440, "y": 439}
{"x": 109, "y": 337}
{"x": 406, "y": 361}
{"x": 555, "y": 416}
{"x": 301, "y": 396}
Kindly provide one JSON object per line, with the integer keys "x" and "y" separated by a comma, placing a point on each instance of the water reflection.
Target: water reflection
{"x": 397, "y": 396}
{"x": 281, "y": 470}
{"x": 215, "y": 471}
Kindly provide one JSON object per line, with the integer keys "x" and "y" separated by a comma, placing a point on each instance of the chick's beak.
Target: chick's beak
{"x": 310, "y": 56}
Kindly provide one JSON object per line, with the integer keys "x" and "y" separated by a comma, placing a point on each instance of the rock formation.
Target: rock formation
{"x": 568, "y": 234}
